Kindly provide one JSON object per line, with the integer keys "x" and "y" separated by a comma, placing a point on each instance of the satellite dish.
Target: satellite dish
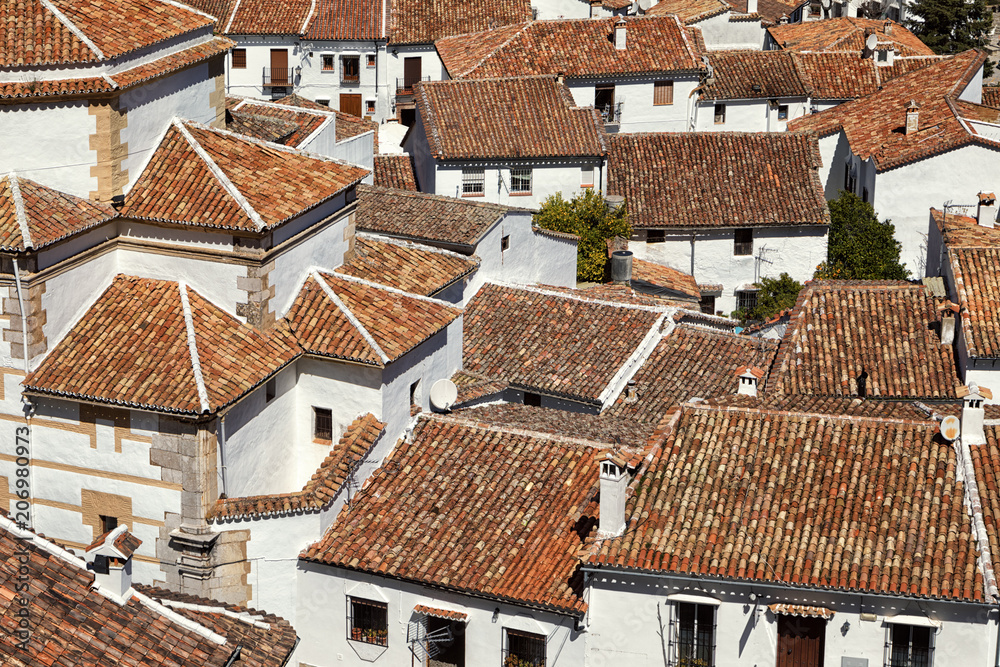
{"x": 443, "y": 395}
{"x": 951, "y": 427}
{"x": 871, "y": 42}
{"x": 644, "y": 5}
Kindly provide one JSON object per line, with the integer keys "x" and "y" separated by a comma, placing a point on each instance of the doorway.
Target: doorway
{"x": 279, "y": 67}
{"x": 411, "y": 73}
{"x": 351, "y": 104}
{"x": 800, "y": 641}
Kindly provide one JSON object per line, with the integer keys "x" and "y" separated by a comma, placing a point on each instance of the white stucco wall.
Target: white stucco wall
{"x": 639, "y": 114}
{"x": 748, "y": 115}
{"x": 430, "y": 63}
{"x": 49, "y": 143}
{"x": 721, "y": 33}
{"x": 359, "y": 150}
{"x": 710, "y": 259}
{"x": 548, "y": 178}
{"x": 316, "y": 83}
{"x": 561, "y": 9}
{"x": 248, "y": 81}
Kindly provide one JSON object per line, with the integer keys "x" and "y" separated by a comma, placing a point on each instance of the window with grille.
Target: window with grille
{"x": 663, "y": 93}
{"x": 707, "y": 304}
{"x": 239, "y": 58}
{"x": 746, "y": 300}
{"x": 369, "y": 107}
{"x": 323, "y": 424}
{"x": 473, "y": 182}
{"x": 350, "y": 69}
{"x": 720, "y": 114}
{"x": 368, "y": 621}
{"x": 908, "y": 646}
{"x": 693, "y": 636}
{"x": 743, "y": 242}
{"x": 782, "y": 112}
{"x": 524, "y": 649}
{"x": 328, "y": 62}
{"x": 370, "y": 60}
{"x": 587, "y": 176}
{"x": 520, "y": 181}
{"x": 656, "y": 235}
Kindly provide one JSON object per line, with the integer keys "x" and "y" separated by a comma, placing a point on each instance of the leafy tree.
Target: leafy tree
{"x": 774, "y": 295}
{"x": 951, "y": 26}
{"x": 586, "y": 215}
{"x": 860, "y": 247}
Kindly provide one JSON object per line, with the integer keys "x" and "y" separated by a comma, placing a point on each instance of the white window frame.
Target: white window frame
{"x": 333, "y": 58}
{"x": 520, "y": 175}
{"x": 473, "y": 182}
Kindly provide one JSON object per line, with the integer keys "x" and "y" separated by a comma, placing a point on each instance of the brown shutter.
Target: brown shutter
{"x": 663, "y": 92}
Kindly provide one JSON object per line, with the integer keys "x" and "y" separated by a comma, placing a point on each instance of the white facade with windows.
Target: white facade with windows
{"x": 652, "y": 103}
{"x": 759, "y": 115}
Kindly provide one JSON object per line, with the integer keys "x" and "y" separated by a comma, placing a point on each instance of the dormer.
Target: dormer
{"x": 973, "y": 414}
{"x": 109, "y": 557}
{"x": 749, "y": 378}
{"x": 614, "y": 484}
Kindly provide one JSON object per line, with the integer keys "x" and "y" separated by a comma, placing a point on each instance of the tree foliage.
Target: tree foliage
{"x": 860, "y": 247}
{"x": 774, "y": 295}
{"x": 586, "y": 215}
{"x": 951, "y": 26}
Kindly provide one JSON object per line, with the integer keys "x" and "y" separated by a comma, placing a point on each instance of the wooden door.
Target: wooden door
{"x": 351, "y": 104}
{"x": 411, "y": 72}
{"x": 800, "y": 641}
{"x": 279, "y": 67}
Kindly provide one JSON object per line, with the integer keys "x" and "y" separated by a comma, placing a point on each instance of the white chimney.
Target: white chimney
{"x": 912, "y": 117}
{"x": 973, "y": 396}
{"x": 614, "y": 483}
{"x": 110, "y": 559}
{"x": 620, "y": 34}
{"x": 749, "y": 378}
{"x": 751, "y": 6}
{"x": 948, "y": 312}
{"x": 986, "y": 213}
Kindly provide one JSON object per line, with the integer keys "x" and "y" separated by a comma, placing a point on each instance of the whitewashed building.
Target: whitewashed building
{"x": 722, "y": 24}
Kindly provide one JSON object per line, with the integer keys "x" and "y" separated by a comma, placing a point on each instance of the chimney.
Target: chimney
{"x": 986, "y": 213}
{"x": 110, "y": 559}
{"x": 783, "y": 20}
{"x": 948, "y": 311}
{"x": 631, "y": 393}
{"x": 912, "y": 117}
{"x": 749, "y": 377}
{"x": 973, "y": 396}
{"x": 621, "y": 267}
{"x": 614, "y": 483}
{"x": 620, "y": 34}
{"x": 887, "y": 27}
{"x": 751, "y": 6}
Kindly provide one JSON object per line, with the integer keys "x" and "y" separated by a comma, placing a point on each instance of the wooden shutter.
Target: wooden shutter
{"x": 663, "y": 92}
{"x": 239, "y": 58}
{"x": 800, "y": 641}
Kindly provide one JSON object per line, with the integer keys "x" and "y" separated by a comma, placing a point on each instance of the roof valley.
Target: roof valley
{"x": 350, "y": 316}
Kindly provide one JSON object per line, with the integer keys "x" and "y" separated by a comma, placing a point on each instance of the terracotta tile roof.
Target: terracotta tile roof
{"x": 441, "y": 613}
{"x": 220, "y": 9}
{"x": 507, "y": 523}
{"x": 847, "y": 34}
{"x": 842, "y": 76}
{"x": 690, "y": 362}
{"x": 268, "y": 17}
{"x": 260, "y": 127}
{"x": 666, "y": 277}
{"x": 346, "y": 20}
{"x": 348, "y": 125}
{"x": 426, "y": 21}
{"x": 690, "y": 11}
{"x": 823, "y": 502}
{"x": 293, "y": 100}
{"x": 991, "y": 96}
{"x": 684, "y": 179}
{"x": 395, "y": 171}
{"x": 474, "y": 386}
{"x": 320, "y": 490}
{"x": 305, "y": 120}
{"x": 624, "y": 295}
{"x": 132, "y": 348}
{"x": 770, "y": 11}
{"x": 275, "y": 183}
{"x": 371, "y": 324}
{"x": 964, "y": 231}
{"x": 737, "y": 72}
{"x": 835, "y": 406}
{"x": 499, "y": 118}
{"x": 125, "y": 542}
{"x": 420, "y": 216}
{"x": 47, "y": 215}
{"x": 405, "y": 266}
{"x": 985, "y": 461}
{"x": 801, "y": 610}
{"x": 874, "y": 124}
{"x": 978, "y": 289}
{"x": 548, "y": 342}
{"x": 841, "y": 329}
{"x": 74, "y": 624}
{"x": 575, "y": 47}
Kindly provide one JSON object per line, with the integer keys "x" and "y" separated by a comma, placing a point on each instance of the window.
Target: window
{"x": 883, "y": 56}
{"x": 587, "y": 176}
{"x": 604, "y": 101}
{"x": 350, "y": 67}
{"x": 108, "y": 523}
{"x": 850, "y": 177}
{"x": 782, "y": 112}
{"x": 720, "y": 114}
{"x": 415, "y": 393}
{"x": 323, "y": 424}
{"x": 908, "y": 646}
{"x": 325, "y": 103}
{"x": 473, "y": 182}
{"x": 520, "y": 181}
{"x": 369, "y": 107}
{"x": 746, "y": 300}
{"x": 533, "y": 399}
{"x": 370, "y": 60}
{"x": 663, "y": 93}
{"x": 656, "y": 235}
{"x": 524, "y": 649}
{"x": 328, "y": 64}
{"x": 368, "y": 621}
{"x": 239, "y": 58}
{"x": 505, "y": 243}
{"x": 743, "y": 242}
{"x": 707, "y": 305}
{"x": 270, "y": 390}
{"x": 693, "y": 635}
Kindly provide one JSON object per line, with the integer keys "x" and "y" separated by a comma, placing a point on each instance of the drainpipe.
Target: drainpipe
{"x": 996, "y": 660}
{"x": 222, "y": 454}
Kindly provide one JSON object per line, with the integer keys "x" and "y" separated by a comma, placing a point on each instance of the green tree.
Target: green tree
{"x": 587, "y": 215}
{"x": 951, "y": 26}
{"x": 773, "y": 296}
{"x": 860, "y": 247}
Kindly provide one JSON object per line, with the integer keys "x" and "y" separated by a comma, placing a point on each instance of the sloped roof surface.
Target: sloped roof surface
{"x": 395, "y": 171}
{"x": 847, "y": 34}
{"x": 406, "y": 266}
{"x": 49, "y": 215}
{"x": 737, "y": 72}
{"x": 346, "y": 20}
{"x": 426, "y": 21}
{"x": 974, "y": 252}
{"x": 268, "y": 17}
{"x": 690, "y": 11}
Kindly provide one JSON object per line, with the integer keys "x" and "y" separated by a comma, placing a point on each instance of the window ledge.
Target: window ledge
{"x": 323, "y": 441}
{"x": 520, "y": 194}
{"x": 473, "y": 194}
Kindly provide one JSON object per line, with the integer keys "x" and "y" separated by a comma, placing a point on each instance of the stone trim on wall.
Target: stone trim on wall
{"x": 96, "y": 503}
{"x": 36, "y": 320}
{"x": 111, "y": 152}
{"x": 217, "y": 98}
{"x": 257, "y": 308}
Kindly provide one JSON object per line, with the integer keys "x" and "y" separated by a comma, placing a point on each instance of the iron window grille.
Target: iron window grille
{"x": 692, "y": 639}
{"x": 908, "y": 646}
{"x": 368, "y": 621}
{"x": 323, "y": 427}
{"x": 473, "y": 181}
{"x": 656, "y": 236}
{"x": 707, "y": 305}
{"x": 328, "y": 62}
{"x": 524, "y": 649}
{"x": 239, "y": 58}
{"x": 743, "y": 242}
{"x": 520, "y": 180}
{"x": 746, "y": 300}
{"x": 350, "y": 69}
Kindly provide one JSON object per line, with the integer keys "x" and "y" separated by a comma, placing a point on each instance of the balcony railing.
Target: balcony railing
{"x": 278, "y": 76}
{"x": 612, "y": 114}
{"x": 404, "y": 85}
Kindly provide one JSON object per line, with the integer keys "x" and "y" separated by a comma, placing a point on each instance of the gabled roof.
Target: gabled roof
{"x": 847, "y": 34}
{"x": 986, "y": 467}
{"x": 889, "y": 342}
{"x": 574, "y": 47}
{"x": 506, "y": 523}
{"x": 500, "y": 118}
{"x": 426, "y": 217}
{"x": 206, "y": 177}
{"x": 157, "y": 345}
{"x": 59, "y": 32}
{"x": 841, "y": 503}
{"x": 320, "y": 490}
{"x": 346, "y": 20}
{"x": 690, "y": 11}
{"x": 33, "y": 216}
{"x": 660, "y": 276}
{"x": 302, "y": 121}
{"x": 843, "y": 76}
{"x": 406, "y": 266}
{"x": 355, "y": 320}
{"x": 74, "y": 622}
{"x": 555, "y": 343}
{"x": 426, "y": 21}
{"x": 348, "y": 125}
{"x": 395, "y": 171}
{"x": 717, "y": 179}
{"x": 875, "y": 124}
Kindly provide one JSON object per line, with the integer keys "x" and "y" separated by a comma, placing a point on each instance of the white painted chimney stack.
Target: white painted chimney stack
{"x": 948, "y": 311}
{"x": 110, "y": 559}
{"x": 614, "y": 484}
{"x": 986, "y": 212}
{"x": 751, "y": 6}
{"x": 973, "y": 396}
{"x": 749, "y": 378}
{"x": 620, "y": 34}
{"x": 912, "y": 117}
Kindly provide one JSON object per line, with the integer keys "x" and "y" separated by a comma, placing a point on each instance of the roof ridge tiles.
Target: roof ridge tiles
{"x": 72, "y": 27}
{"x": 390, "y": 289}
{"x": 576, "y": 297}
{"x": 510, "y": 430}
{"x": 975, "y": 506}
{"x": 190, "y": 8}
{"x": 355, "y": 322}
{"x": 807, "y": 415}
{"x": 192, "y": 342}
{"x": 413, "y": 245}
{"x": 22, "y": 216}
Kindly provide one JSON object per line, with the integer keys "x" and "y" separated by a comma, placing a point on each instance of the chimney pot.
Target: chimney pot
{"x": 614, "y": 484}
{"x": 752, "y": 6}
{"x": 749, "y": 378}
{"x": 620, "y": 34}
{"x": 621, "y": 267}
{"x": 973, "y": 415}
{"x": 110, "y": 559}
{"x": 912, "y": 117}
{"x": 986, "y": 211}
{"x": 948, "y": 321}
{"x": 887, "y": 27}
